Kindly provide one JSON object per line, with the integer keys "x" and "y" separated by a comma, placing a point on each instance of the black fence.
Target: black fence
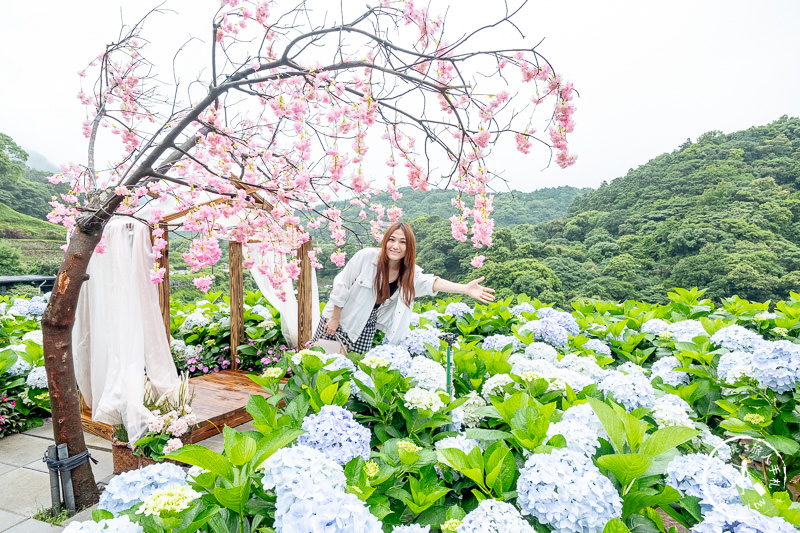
{"x": 44, "y": 283}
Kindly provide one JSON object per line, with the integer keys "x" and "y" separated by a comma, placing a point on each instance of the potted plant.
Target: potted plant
{"x": 169, "y": 428}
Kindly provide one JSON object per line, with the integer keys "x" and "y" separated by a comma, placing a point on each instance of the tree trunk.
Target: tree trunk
{"x": 57, "y": 323}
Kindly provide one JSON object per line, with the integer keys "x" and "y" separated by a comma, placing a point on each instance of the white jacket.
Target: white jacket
{"x": 354, "y": 291}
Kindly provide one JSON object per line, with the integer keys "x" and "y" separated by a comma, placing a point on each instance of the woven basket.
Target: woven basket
{"x": 124, "y": 459}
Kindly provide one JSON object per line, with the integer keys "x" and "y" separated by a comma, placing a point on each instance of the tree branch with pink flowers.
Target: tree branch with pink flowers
{"x": 304, "y": 114}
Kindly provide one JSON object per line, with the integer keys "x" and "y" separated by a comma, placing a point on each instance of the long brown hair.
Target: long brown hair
{"x": 405, "y": 280}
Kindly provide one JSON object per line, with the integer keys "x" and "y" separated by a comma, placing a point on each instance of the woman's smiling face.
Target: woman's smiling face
{"x": 396, "y": 246}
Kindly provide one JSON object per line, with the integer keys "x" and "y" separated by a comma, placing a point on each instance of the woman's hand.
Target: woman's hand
{"x": 332, "y": 326}
{"x": 479, "y": 292}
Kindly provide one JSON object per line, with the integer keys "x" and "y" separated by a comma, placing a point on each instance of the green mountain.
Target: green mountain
{"x": 510, "y": 208}
{"x": 722, "y": 213}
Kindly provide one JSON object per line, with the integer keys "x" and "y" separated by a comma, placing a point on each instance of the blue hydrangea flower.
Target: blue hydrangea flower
{"x": 261, "y": 311}
{"x": 707, "y": 478}
{"x": 524, "y": 307}
{"x": 36, "y": 308}
{"x": 457, "y": 309}
{"x": 498, "y": 342}
{"x": 562, "y": 318}
{"x": 736, "y": 338}
{"x": 338, "y": 362}
{"x": 493, "y": 516}
{"x": 197, "y": 318}
{"x": 415, "y": 340}
{"x": 432, "y": 315}
{"x": 737, "y": 518}
{"x": 655, "y": 326}
{"x": 776, "y": 365}
{"x": 664, "y": 368}
{"x": 121, "y": 524}
{"x": 541, "y": 350}
{"x": 686, "y": 330}
{"x": 546, "y": 330}
{"x": 17, "y": 310}
{"x": 735, "y": 366}
{"x": 327, "y": 509}
{"x": 565, "y": 490}
{"x": 299, "y": 471}
{"x": 37, "y": 379}
{"x": 129, "y": 488}
{"x": 581, "y": 428}
{"x": 632, "y": 390}
{"x": 586, "y": 367}
{"x": 398, "y": 357}
{"x": 598, "y": 346}
{"x": 20, "y": 366}
{"x": 336, "y": 434}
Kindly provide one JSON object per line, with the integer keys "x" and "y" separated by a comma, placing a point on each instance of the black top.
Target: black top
{"x": 392, "y": 290}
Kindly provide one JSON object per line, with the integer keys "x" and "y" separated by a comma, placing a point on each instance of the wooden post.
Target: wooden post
{"x": 237, "y": 298}
{"x": 163, "y": 287}
{"x": 304, "y": 296}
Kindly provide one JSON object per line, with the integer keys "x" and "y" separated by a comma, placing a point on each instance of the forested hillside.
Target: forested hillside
{"x": 722, "y": 213}
{"x": 28, "y": 243}
{"x": 509, "y": 207}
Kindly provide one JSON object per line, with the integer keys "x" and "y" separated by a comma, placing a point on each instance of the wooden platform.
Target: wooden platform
{"x": 219, "y": 401}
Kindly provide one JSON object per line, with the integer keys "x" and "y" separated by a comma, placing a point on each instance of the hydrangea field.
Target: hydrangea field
{"x": 613, "y": 417}
{"x": 24, "y": 400}
{"x": 201, "y": 335}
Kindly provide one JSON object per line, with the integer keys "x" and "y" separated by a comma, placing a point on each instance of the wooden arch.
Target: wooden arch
{"x": 220, "y": 398}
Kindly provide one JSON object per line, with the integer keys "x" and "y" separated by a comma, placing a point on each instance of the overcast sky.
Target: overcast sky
{"x": 650, "y": 74}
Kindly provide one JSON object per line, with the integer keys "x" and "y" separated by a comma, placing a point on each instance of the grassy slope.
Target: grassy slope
{"x": 28, "y": 227}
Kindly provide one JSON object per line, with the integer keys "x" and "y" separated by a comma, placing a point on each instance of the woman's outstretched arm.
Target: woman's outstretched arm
{"x": 472, "y": 289}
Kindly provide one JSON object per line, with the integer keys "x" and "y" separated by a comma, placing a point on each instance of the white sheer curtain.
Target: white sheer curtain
{"x": 119, "y": 334}
{"x": 287, "y": 308}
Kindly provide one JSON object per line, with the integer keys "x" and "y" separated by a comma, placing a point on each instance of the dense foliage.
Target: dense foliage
{"x": 25, "y": 189}
{"x": 606, "y": 419}
{"x": 510, "y": 207}
{"x": 722, "y": 213}
{"x": 27, "y": 241}
{"x": 24, "y": 397}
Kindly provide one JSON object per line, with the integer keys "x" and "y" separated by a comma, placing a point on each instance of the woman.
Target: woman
{"x": 376, "y": 290}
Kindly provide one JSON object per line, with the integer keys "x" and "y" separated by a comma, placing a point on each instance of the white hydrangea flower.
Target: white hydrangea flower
{"x": 494, "y": 385}
{"x": 419, "y": 398}
{"x": 672, "y": 410}
{"x": 427, "y": 373}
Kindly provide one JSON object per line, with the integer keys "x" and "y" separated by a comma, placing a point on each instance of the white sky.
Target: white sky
{"x": 650, "y": 74}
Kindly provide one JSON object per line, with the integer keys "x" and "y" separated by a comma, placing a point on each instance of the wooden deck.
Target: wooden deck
{"x": 219, "y": 401}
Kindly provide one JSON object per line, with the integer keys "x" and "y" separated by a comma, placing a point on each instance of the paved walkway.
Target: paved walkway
{"x": 25, "y": 482}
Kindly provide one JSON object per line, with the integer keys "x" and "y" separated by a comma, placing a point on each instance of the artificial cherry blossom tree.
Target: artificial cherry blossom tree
{"x": 293, "y": 111}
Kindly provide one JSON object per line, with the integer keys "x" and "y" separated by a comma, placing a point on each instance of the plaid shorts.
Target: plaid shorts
{"x": 364, "y": 342}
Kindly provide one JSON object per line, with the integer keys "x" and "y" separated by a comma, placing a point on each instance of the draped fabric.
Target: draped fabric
{"x": 118, "y": 337}
{"x": 288, "y": 307}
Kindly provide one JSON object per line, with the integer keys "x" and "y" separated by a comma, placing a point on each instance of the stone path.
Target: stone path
{"x": 25, "y": 482}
